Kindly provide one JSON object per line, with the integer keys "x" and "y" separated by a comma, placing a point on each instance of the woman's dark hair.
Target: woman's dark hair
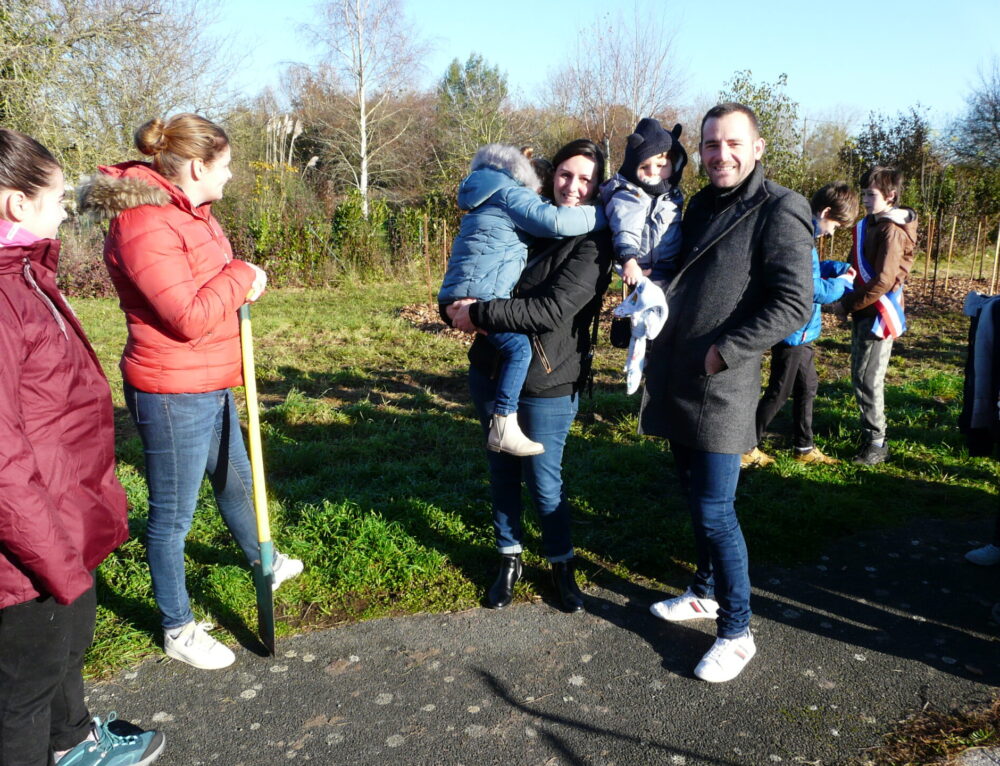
{"x": 581, "y": 147}
{"x": 25, "y": 165}
{"x": 183, "y": 137}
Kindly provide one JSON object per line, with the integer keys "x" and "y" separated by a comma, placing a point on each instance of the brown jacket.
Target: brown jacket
{"x": 888, "y": 248}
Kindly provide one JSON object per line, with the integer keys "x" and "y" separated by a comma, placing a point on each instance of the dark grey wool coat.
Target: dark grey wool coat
{"x": 744, "y": 282}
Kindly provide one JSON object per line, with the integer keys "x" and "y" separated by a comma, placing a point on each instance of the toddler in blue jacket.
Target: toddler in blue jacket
{"x": 793, "y": 368}
{"x": 505, "y": 212}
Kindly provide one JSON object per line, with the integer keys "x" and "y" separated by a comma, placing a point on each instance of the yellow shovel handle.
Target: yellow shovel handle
{"x": 253, "y": 428}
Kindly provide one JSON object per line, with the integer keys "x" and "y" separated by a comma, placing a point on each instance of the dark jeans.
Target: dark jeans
{"x": 185, "y": 436}
{"x": 515, "y": 357}
{"x": 42, "y": 646}
{"x": 546, "y": 420}
{"x": 793, "y": 373}
{"x": 709, "y": 481}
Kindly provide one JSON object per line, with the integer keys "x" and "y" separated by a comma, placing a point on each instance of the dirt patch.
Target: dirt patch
{"x": 427, "y": 319}
{"x": 923, "y": 297}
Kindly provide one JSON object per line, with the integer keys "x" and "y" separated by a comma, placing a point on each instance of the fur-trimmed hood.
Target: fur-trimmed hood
{"x": 117, "y": 188}
{"x": 508, "y": 158}
{"x": 495, "y": 167}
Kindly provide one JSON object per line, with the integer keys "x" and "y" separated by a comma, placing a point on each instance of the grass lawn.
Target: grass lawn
{"x": 377, "y": 477}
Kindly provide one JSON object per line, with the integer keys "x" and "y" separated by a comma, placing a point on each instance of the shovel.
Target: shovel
{"x": 263, "y": 568}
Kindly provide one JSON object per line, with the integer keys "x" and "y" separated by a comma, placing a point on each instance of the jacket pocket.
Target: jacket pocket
{"x": 539, "y": 349}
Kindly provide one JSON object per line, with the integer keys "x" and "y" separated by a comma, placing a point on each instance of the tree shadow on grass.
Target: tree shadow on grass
{"x": 898, "y": 588}
{"x": 404, "y": 444}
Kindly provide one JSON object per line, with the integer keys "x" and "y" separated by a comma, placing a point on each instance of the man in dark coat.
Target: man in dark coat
{"x": 742, "y": 283}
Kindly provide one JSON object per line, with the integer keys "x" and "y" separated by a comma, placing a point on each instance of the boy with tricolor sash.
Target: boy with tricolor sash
{"x": 882, "y": 256}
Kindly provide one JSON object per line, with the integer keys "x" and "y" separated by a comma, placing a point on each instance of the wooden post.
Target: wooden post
{"x": 937, "y": 252}
{"x": 975, "y": 253}
{"x": 996, "y": 255}
{"x": 951, "y": 245}
{"x": 927, "y": 254}
{"x": 444, "y": 249}
{"x": 427, "y": 265}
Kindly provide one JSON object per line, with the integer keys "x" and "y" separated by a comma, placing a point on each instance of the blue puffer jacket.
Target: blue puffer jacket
{"x": 505, "y": 213}
{"x": 826, "y": 289}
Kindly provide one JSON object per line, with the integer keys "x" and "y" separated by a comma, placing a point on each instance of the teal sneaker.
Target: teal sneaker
{"x": 115, "y": 749}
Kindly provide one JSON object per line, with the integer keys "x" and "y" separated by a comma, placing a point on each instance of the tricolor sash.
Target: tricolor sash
{"x": 890, "y": 321}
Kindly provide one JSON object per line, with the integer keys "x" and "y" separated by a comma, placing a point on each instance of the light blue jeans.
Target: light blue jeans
{"x": 185, "y": 436}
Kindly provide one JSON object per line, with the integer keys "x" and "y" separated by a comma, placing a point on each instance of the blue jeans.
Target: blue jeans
{"x": 515, "y": 357}
{"x": 709, "y": 480}
{"x": 546, "y": 420}
{"x": 185, "y": 436}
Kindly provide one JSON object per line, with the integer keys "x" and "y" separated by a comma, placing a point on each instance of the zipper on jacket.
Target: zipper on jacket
{"x": 537, "y": 344}
{"x": 52, "y": 307}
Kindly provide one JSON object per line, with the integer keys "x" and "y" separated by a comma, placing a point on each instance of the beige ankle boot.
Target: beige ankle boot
{"x": 506, "y": 436}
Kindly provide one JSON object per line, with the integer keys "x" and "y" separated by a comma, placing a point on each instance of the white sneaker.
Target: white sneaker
{"x": 686, "y": 606}
{"x": 726, "y": 659}
{"x": 198, "y": 649}
{"x": 987, "y": 556}
{"x": 285, "y": 568}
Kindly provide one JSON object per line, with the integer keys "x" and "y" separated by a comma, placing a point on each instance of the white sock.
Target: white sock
{"x": 92, "y": 737}
{"x": 879, "y": 442}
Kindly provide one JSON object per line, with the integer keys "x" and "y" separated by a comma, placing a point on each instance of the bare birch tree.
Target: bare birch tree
{"x": 371, "y": 60}
{"x": 623, "y": 69}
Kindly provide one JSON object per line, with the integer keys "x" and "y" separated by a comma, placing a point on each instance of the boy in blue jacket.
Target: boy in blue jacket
{"x": 505, "y": 214}
{"x": 793, "y": 369}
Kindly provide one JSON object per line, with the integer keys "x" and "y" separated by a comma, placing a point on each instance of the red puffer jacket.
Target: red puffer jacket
{"x": 177, "y": 282}
{"x": 62, "y": 511}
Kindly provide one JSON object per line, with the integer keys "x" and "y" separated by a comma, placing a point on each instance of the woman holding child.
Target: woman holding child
{"x": 555, "y": 302}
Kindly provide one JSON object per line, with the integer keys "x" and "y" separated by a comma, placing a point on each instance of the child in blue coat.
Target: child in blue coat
{"x": 793, "y": 369}
{"x": 643, "y": 200}
{"x": 505, "y": 214}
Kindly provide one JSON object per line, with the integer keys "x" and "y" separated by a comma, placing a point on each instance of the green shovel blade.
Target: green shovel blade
{"x": 263, "y": 583}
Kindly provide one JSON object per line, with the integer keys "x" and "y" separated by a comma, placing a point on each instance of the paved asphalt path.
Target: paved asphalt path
{"x": 880, "y": 626}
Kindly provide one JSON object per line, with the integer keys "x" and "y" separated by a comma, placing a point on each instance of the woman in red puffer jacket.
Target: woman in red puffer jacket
{"x": 180, "y": 289}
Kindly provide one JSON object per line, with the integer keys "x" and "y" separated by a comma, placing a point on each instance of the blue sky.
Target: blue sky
{"x": 839, "y": 57}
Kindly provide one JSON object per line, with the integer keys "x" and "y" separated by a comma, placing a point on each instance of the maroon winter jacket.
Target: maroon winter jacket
{"x": 62, "y": 511}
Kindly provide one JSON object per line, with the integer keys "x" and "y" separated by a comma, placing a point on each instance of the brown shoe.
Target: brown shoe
{"x": 755, "y": 459}
{"x": 814, "y": 456}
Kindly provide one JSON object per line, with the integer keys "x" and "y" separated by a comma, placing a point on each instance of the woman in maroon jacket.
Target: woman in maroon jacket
{"x": 62, "y": 511}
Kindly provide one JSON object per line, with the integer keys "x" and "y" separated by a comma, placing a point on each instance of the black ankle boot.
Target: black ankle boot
{"x": 569, "y": 594}
{"x": 501, "y": 592}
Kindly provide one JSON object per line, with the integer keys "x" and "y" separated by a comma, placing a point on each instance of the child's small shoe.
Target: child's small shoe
{"x": 506, "y": 436}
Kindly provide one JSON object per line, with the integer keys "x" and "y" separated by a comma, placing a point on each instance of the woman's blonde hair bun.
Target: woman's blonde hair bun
{"x": 150, "y": 138}
{"x": 183, "y": 137}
